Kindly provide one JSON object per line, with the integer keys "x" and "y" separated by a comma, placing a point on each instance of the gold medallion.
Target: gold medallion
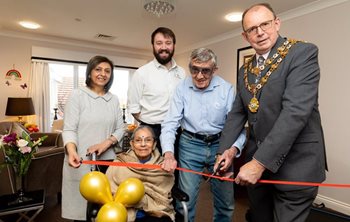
{"x": 253, "y": 105}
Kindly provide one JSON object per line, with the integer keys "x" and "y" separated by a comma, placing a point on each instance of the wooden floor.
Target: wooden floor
{"x": 204, "y": 211}
{"x": 52, "y": 210}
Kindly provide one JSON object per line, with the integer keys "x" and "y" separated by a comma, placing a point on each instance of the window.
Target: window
{"x": 122, "y": 77}
{"x": 64, "y": 77}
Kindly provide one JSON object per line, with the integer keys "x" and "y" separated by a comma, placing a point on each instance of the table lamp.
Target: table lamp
{"x": 19, "y": 107}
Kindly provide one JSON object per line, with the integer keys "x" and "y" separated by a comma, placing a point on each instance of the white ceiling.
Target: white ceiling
{"x": 194, "y": 21}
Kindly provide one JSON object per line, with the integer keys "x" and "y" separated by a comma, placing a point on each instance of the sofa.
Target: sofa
{"x": 45, "y": 171}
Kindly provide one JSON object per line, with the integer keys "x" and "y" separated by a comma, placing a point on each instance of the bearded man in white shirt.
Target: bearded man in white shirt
{"x": 153, "y": 84}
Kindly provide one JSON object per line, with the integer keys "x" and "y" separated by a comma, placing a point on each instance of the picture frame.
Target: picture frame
{"x": 243, "y": 54}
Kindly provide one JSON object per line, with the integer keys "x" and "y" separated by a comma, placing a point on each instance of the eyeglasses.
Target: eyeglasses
{"x": 264, "y": 26}
{"x": 206, "y": 72}
{"x": 147, "y": 140}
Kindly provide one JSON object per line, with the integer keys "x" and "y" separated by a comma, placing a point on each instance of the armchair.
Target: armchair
{"x": 45, "y": 171}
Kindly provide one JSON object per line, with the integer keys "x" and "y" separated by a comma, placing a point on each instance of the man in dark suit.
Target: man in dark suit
{"x": 278, "y": 97}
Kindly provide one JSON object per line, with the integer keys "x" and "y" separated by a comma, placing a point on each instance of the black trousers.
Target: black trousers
{"x": 148, "y": 218}
{"x": 268, "y": 203}
{"x": 103, "y": 168}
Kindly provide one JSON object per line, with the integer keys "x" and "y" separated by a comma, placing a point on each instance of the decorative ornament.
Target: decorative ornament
{"x": 112, "y": 212}
{"x": 13, "y": 72}
{"x": 24, "y": 86}
{"x": 95, "y": 187}
{"x": 255, "y": 71}
{"x": 273, "y": 63}
{"x": 8, "y": 83}
{"x": 253, "y": 105}
{"x": 130, "y": 192}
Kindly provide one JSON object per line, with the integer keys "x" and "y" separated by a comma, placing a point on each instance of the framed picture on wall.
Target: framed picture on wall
{"x": 243, "y": 54}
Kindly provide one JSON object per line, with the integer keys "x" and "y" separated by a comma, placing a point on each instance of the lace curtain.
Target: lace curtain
{"x": 39, "y": 83}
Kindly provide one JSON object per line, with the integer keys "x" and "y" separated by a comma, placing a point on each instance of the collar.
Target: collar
{"x": 158, "y": 65}
{"x": 146, "y": 160}
{"x": 215, "y": 81}
{"x": 278, "y": 43}
{"x": 107, "y": 96}
{"x": 264, "y": 55}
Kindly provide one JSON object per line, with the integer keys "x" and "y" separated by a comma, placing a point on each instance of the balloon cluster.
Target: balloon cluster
{"x": 95, "y": 187}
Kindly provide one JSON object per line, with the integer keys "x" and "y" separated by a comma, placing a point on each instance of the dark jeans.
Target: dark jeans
{"x": 195, "y": 154}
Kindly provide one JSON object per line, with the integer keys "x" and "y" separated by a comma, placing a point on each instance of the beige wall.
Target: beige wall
{"x": 329, "y": 29}
{"x": 13, "y": 53}
{"x": 17, "y": 50}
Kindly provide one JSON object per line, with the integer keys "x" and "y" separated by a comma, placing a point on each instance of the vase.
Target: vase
{"x": 20, "y": 187}
{"x": 20, "y": 196}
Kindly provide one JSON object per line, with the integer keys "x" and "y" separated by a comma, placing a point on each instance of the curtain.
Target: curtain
{"x": 39, "y": 83}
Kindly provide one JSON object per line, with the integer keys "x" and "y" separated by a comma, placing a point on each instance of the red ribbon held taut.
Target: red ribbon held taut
{"x": 153, "y": 166}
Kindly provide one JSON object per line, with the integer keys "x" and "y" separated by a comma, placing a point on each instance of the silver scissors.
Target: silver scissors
{"x": 216, "y": 171}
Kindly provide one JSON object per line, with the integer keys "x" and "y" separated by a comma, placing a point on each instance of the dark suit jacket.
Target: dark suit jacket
{"x": 285, "y": 135}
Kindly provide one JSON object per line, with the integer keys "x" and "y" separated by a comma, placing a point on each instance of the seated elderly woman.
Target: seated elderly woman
{"x": 156, "y": 205}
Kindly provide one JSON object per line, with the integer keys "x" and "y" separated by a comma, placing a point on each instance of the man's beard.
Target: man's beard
{"x": 161, "y": 60}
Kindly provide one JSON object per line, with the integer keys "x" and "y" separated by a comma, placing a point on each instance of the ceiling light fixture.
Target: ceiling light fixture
{"x": 159, "y": 7}
{"x": 29, "y": 25}
{"x": 234, "y": 17}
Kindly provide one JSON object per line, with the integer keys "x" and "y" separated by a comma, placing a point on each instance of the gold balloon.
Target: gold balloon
{"x": 130, "y": 192}
{"x": 112, "y": 212}
{"x": 95, "y": 187}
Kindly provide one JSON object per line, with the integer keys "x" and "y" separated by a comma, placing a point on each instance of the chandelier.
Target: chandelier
{"x": 159, "y": 7}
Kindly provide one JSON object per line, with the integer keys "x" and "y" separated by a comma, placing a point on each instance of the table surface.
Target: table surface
{"x": 37, "y": 198}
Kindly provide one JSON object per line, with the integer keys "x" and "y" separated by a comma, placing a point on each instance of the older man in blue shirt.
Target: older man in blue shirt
{"x": 200, "y": 105}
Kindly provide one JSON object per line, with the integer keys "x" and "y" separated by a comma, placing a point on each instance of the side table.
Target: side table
{"x": 36, "y": 204}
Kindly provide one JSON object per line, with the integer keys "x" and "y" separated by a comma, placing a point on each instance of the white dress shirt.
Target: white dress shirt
{"x": 151, "y": 89}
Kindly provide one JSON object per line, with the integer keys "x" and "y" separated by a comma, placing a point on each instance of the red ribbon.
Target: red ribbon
{"x": 152, "y": 166}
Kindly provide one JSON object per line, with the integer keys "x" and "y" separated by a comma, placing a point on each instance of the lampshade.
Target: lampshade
{"x": 19, "y": 107}
{"x": 159, "y": 7}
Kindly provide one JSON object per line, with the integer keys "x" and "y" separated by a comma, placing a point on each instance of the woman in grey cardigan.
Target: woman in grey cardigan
{"x": 92, "y": 123}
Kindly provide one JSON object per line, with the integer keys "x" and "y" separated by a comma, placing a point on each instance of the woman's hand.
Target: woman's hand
{"x": 99, "y": 148}
{"x": 74, "y": 160}
{"x": 73, "y": 157}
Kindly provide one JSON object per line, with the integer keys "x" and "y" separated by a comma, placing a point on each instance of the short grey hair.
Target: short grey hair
{"x": 201, "y": 55}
